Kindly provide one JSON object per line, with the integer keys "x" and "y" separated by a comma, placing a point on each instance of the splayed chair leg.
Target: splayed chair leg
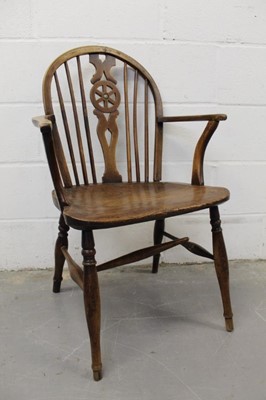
{"x": 221, "y": 266}
{"x": 59, "y": 256}
{"x": 157, "y": 239}
{"x": 92, "y": 301}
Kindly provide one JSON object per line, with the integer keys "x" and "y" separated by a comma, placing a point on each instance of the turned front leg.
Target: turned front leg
{"x": 92, "y": 301}
{"x": 221, "y": 266}
{"x": 58, "y": 255}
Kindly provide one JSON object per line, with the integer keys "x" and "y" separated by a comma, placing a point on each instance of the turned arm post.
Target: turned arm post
{"x": 45, "y": 124}
{"x": 199, "y": 153}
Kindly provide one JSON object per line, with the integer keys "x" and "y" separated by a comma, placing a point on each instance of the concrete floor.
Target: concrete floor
{"x": 163, "y": 336}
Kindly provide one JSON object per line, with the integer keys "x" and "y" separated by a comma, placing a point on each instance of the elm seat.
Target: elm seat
{"x": 128, "y": 203}
{"x": 103, "y": 133}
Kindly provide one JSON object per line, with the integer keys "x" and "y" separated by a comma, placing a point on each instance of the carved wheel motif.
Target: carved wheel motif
{"x": 105, "y": 96}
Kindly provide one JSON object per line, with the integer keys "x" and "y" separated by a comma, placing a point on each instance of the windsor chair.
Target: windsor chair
{"x": 101, "y": 104}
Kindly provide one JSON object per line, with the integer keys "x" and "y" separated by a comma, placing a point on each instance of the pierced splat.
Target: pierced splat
{"x": 111, "y": 173}
{"x": 102, "y": 67}
{"x": 105, "y": 97}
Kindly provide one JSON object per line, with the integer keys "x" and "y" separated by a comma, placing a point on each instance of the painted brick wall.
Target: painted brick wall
{"x": 205, "y": 56}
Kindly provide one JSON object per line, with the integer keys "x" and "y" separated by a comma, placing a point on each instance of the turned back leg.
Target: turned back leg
{"x": 157, "y": 239}
{"x": 221, "y": 266}
{"x": 59, "y": 257}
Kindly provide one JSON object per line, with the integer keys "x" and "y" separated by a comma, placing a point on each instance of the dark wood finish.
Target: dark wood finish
{"x": 198, "y": 159}
{"x": 187, "y": 118}
{"x": 157, "y": 238}
{"x": 192, "y": 247}
{"x": 86, "y": 120}
{"x": 67, "y": 130}
{"x": 135, "y": 127}
{"x": 105, "y": 97}
{"x": 128, "y": 140}
{"x": 76, "y": 273}
{"x": 92, "y": 301}
{"x": 113, "y": 88}
{"x": 146, "y": 127}
{"x": 46, "y": 126}
{"x": 221, "y": 266}
{"x": 78, "y": 131}
{"x": 140, "y": 254}
{"x": 111, "y": 173}
{"x": 59, "y": 255}
{"x": 103, "y": 69}
{"x": 129, "y": 203}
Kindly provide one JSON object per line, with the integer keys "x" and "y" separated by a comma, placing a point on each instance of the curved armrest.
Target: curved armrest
{"x": 45, "y": 124}
{"x": 198, "y": 159}
{"x": 184, "y": 118}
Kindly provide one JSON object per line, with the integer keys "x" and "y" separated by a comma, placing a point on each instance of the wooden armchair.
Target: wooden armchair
{"x": 98, "y": 95}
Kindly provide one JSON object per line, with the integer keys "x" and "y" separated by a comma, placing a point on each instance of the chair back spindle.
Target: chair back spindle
{"x": 127, "y": 126}
{"x": 67, "y": 130}
{"x": 77, "y": 126}
{"x": 86, "y": 120}
{"x": 135, "y": 127}
{"x": 146, "y": 125}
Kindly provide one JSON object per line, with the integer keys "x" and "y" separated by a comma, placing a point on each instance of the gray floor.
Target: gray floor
{"x": 163, "y": 336}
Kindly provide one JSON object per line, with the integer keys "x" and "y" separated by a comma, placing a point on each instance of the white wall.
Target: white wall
{"x": 215, "y": 55}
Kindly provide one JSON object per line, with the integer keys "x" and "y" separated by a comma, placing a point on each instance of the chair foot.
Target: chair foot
{"x": 57, "y": 286}
{"x": 229, "y": 324}
{"x": 97, "y": 375}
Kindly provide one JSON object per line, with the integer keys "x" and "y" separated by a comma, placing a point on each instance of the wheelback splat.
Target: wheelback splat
{"x": 105, "y": 97}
